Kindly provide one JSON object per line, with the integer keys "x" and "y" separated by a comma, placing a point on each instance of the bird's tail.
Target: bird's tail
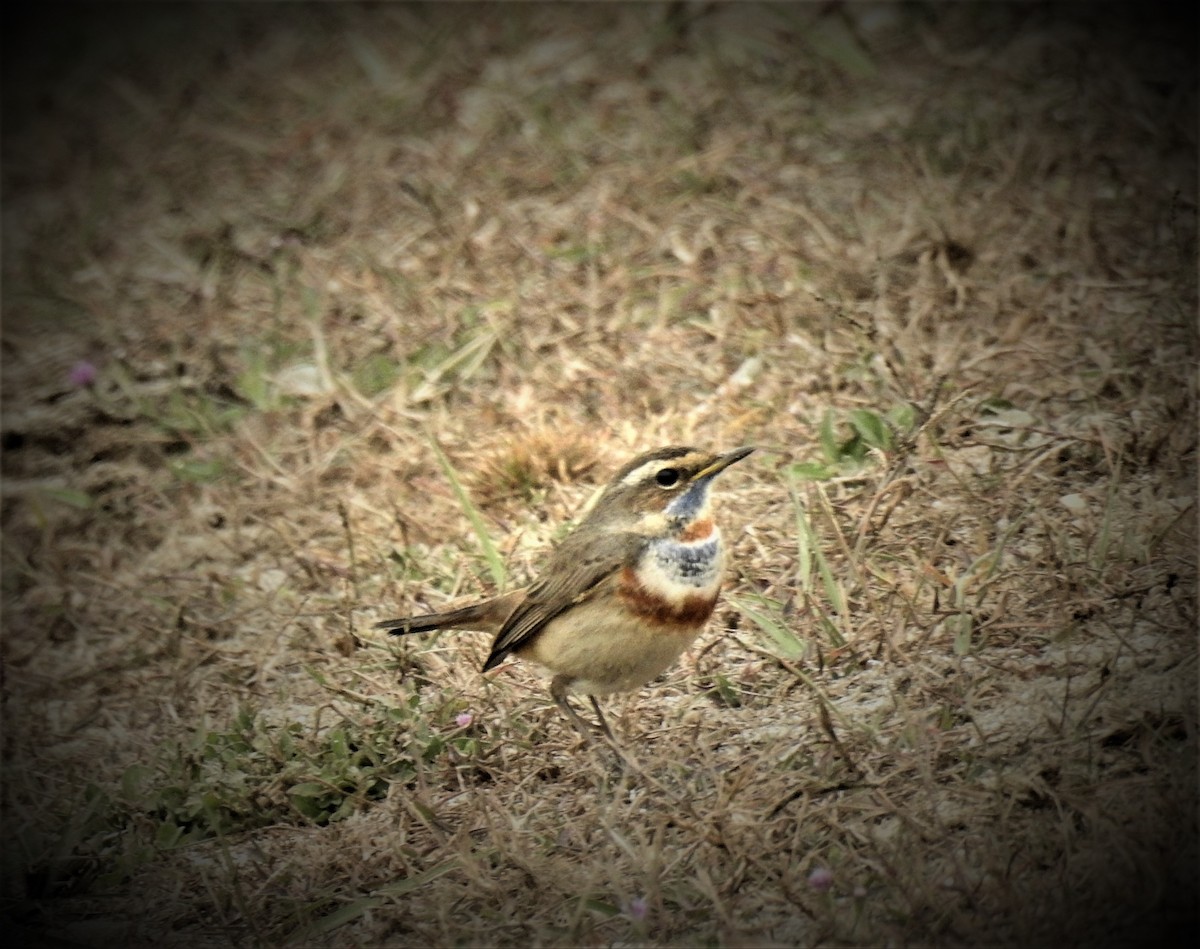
{"x": 487, "y": 616}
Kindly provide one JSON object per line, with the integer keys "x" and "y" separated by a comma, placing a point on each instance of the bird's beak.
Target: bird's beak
{"x": 723, "y": 462}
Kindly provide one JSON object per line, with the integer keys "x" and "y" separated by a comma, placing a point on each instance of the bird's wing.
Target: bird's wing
{"x": 575, "y": 573}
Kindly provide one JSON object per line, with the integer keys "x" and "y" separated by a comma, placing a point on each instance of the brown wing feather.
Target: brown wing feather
{"x": 573, "y": 574}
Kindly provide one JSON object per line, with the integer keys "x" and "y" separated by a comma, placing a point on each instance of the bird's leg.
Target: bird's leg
{"x": 558, "y": 690}
{"x": 601, "y": 721}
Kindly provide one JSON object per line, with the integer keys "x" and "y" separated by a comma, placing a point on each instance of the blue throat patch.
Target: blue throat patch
{"x": 691, "y": 564}
{"x": 685, "y": 507}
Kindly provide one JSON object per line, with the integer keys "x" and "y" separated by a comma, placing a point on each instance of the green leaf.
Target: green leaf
{"x": 375, "y": 374}
{"x": 311, "y": 789}
{"x": 252, "y": 383}
{"x": 132, "y": 780}
{"x": 829, "y": 439}
{"x": 727, "y": 693}
{"x": 77, "y": 499}
{"x": 788, "y": 643}
{"x": 352, "y": 911}
{"x": 1008, "y": 418}
{"x": 903, "y": 417}
{"x": 601, "y": 907}
{"x": 871, "y": 428}
{"x": 337, "y": 743}
{"x": 339, "y": 917}
{"x": 811, "y": 471}
{"x": 198, "y": 470}
{"x": 417, "y": 880}
{"x": 309, "y": 807}
{"x": 167, "y": 835}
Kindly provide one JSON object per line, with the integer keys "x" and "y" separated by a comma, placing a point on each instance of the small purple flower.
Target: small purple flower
{"x": 83, "y": 373}
{"x": 821, "y": 879}
{"x": 637, "y": 908}
{"x": 463, "y": 719}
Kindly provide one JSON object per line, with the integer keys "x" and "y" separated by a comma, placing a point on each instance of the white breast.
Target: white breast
{"x": 676, "y": 570}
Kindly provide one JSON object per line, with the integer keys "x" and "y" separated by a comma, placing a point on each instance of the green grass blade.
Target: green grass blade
{"x": 789, "y": 644}
{"x": 803, "y": 536}
{"x": 491, "y": 554}
{"x": 352, "y": 911}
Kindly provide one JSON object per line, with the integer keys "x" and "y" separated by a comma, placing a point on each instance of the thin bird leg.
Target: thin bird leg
{"x": 558, "y": 690}
{"x": 600, "y": 719}
{"x": 627, "y": 763}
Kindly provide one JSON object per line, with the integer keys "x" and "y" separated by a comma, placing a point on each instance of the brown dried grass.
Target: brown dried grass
{"x": 553, "y": 238}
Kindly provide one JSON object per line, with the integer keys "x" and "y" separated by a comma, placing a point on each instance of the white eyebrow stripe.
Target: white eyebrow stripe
{"x": 642, "y": 471}
{"x": 639, "y": 473}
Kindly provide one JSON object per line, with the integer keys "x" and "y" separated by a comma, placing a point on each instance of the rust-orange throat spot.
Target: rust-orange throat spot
{"x": 697, "y": 530}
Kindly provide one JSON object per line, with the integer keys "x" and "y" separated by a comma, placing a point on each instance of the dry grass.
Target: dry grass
{"x": 939, "y": 263}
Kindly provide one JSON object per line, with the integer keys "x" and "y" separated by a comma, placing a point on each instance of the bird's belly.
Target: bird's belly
{"x": 605, "y": 647}
{"x": 622, "y": 638}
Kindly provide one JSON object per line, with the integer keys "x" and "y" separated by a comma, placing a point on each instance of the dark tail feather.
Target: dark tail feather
{"x": 469, "y": 617}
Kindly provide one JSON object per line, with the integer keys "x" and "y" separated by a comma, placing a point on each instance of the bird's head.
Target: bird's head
{"x": 665, "y": 491}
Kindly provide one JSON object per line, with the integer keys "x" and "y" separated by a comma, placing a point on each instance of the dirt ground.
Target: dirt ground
{"x": 314, "y": 316}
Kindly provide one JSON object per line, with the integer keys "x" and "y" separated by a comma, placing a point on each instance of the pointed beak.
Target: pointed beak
{"x": 722, "y": 462}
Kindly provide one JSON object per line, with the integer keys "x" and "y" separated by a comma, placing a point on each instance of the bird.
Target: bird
{"x": 623, "y": 594}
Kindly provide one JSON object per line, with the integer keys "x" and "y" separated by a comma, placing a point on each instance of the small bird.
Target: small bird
{"x": 624, "y": 594}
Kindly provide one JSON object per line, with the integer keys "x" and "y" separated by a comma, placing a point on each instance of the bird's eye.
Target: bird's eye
{"x": 667, "y": 477}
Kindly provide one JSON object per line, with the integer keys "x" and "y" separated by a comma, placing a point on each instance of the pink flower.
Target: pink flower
{"x": 83, "y": 373}
{"x": 463, "y": 719}
{"x": 637, "y": 908}
{"x": 821, "y": 879}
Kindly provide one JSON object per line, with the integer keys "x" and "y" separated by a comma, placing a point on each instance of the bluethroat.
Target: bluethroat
{"x": 624, "y": 594}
